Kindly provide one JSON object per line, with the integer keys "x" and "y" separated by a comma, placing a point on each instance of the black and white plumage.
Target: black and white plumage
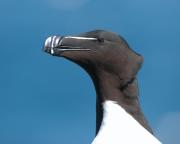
{"x": 112, "y": 66}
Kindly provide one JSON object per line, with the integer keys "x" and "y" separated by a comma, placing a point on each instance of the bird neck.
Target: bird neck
{"x": 108, "y": 88}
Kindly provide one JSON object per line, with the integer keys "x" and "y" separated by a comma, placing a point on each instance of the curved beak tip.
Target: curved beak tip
{"x": 50, "y": 43}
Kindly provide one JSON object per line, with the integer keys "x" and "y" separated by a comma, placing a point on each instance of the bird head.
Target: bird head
{"x": 97, "y": 51}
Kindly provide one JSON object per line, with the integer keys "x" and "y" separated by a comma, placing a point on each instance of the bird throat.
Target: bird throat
{"x": 127, "y": 97}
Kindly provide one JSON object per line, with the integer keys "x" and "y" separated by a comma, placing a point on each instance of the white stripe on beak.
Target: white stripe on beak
{"x": 52, "y": 44}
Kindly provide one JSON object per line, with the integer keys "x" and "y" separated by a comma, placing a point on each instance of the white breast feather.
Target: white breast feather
{"x": 119, "y": 127}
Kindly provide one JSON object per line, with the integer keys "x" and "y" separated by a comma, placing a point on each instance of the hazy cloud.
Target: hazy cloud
{"x": 67, "y": 4}
{"x": 168, "y": 129}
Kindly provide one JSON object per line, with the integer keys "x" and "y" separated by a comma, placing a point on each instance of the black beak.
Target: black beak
{"x": 54, "y": 45}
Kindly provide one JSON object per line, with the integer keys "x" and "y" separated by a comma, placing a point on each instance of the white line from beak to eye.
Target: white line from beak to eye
{"x": 80, "y": 38}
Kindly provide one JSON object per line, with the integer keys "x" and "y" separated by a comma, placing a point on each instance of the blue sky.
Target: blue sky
{"x": 36, "y": 89}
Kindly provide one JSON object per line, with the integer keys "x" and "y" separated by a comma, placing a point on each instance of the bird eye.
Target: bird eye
{"x": 100, "y": 39}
